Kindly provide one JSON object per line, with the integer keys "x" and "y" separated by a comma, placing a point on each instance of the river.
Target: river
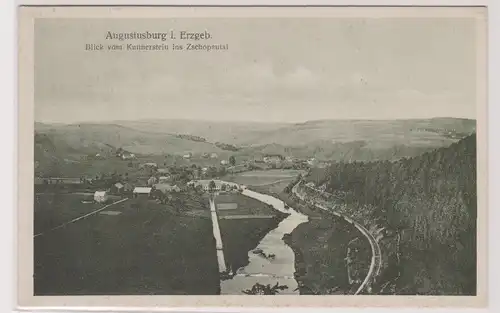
{"x": 265, "y": 271}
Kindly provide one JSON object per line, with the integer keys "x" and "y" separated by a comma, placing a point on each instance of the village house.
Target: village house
{"x": 187, "y": 155}
{"x": 99, "y": 156}
{"x": 205, "y": 184}
{"x": 322, "y": 188}
{"x": 164, "y": 179}
{"x": 149, "y": 165}
{"x": 142, "y": 192}
{"x": 323, "y": 164}
{"x": 312, "y": 162}
{"x": 117, "y": 188}
{"x": 224, "y": 162}
{"x": 273, "y": 158}
{"x": 310, "y": 184}
{"x": 128, "y": 156}
{"x": 128, "y": 187}
{"x": 214, "y": 156}
{"x": 152, "y": 181}
{"x": 163, "y": 171}
{"x": 167, "y": 188}
{"x": 101, "y": 196}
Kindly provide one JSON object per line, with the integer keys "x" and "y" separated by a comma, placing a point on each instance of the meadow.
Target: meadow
{"x": 262, "y": 177}
{"x": 145, "y": 249}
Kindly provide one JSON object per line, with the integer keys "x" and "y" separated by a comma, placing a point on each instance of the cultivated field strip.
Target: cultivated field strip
{"x": 80, "y": 218}
{"x": 218, "y": 238}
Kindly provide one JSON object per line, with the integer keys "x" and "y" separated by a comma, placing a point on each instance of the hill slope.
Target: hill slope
{"x": 338, "y": 140}
{"x": 326, "y": 139}
{"x": 428, "y": 206}
{"x": 106, "y": 138}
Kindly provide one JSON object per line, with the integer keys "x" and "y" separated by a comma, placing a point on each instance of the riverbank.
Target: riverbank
{"x": 272, "y": 263}
{"x": 321, "y": 248}
{"x": 242, "y": 235}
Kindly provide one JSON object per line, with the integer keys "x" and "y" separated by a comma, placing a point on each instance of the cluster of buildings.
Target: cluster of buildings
{"x": 217, "y": 185}
{"x": 102, "y": 196}
{"x": 124, "y": 155}
{"x": 205, "y": 155}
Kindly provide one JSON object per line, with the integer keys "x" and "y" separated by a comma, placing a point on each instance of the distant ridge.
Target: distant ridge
{"x": 322, "y": 139}
{"x": 158, "y": 120}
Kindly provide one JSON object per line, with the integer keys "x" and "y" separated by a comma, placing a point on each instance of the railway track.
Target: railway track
{"x": 376, "y": 260}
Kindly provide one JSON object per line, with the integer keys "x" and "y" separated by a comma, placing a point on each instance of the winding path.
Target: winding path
{"x": 80, "y": 218}
{"x": 376, "y": 261}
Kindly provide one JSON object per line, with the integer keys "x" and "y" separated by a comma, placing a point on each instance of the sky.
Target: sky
{"x": 275, "y": 70}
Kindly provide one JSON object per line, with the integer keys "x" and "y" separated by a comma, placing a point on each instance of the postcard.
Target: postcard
{"x": 252, "y": 157}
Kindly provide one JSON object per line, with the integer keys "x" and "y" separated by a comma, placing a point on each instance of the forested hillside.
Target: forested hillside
{"x": 427, "y": 206}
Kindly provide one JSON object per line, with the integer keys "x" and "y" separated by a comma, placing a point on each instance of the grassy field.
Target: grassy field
{"x": 320, "y": 247}
{"x": 242, "y": 205}
{"x": 242, "y": 235}
{"x": 147, "y": 249}
{"x": 55, "y": 209}
{"x": 259, "y": 178}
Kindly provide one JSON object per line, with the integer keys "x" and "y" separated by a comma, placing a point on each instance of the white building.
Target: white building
{"x": 224, "y": 162}
{"x": 152, "y": 181}
{"x": 163, "y": 179}
{"x": 118, "y": 187}
{"x": 312, "y": 162}
{"x": 126, "y": 156}
{"x": 205, "y": 184}
{"x": 167, "y": 188}
{"x": 163, "y": 171}
{"x": 150, "y": 165}
{"x": 101, "y": 196}
{"x": 142, "y": 191}
{"x": 272, "y": 158}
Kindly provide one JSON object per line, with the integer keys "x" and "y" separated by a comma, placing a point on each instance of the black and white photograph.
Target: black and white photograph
{"x": 276, "y": 154}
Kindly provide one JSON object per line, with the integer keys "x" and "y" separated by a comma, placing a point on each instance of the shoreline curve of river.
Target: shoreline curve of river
{"x": 281, "y": 268}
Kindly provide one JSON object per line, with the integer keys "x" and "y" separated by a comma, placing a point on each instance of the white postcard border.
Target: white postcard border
{"x": 25, "y": 133}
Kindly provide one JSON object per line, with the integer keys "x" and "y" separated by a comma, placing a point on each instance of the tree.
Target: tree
{"x": 212, "y": 171}
{"x": 232, "y": 160}
{"x": 211, "y": 186}
{"x": 222, "y": 171}
{"x": 157, "y": 194}
{"x": 119, "y": 152}
{"x": 259, "y": 289}
{"x": 199, "y": 189}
